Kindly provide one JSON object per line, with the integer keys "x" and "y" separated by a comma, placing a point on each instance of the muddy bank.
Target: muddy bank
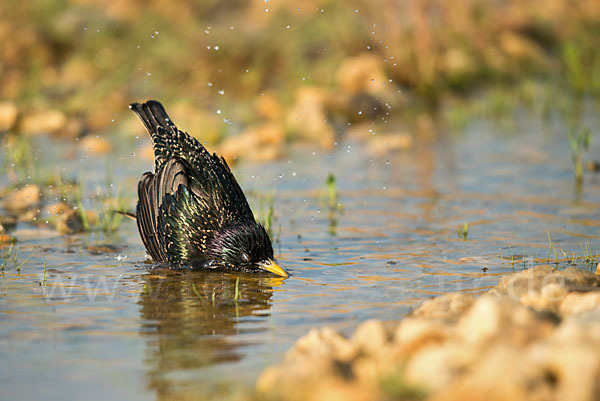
{"x": 535, "y": 336}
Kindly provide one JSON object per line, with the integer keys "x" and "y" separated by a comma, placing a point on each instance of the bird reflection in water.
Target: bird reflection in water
{"x": 196, "y": 319}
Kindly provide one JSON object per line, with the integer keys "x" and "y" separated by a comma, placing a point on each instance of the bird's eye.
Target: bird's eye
{"x": 245, "y": 257}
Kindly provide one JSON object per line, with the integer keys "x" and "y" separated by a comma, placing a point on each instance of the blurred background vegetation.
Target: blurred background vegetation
{"x": 267, "y": 72}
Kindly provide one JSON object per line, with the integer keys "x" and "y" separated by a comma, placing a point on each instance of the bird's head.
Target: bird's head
{"x": 245, "y": 247}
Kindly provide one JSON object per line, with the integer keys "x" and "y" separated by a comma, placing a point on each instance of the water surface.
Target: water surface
{"x": 106, "y": 326}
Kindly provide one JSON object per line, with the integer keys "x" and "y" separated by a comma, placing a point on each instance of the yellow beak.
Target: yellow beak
{"x": 274, "y": 268}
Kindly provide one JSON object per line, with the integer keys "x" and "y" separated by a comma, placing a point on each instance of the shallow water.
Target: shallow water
{"x": 105, "y": 326}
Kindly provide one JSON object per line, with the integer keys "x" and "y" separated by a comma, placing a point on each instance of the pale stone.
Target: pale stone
{"x": 414, "y": 333}
{"x": 95, "y": 145}
{"x": 445, "y": 306}
{"x": 268, "y": 107}
{"x": 323, "y": 342}
{"x": 56, "y": 209}
{"x": 362, "y": 74}
{"x": 43, "y": 122}
{"x": 383, "y": 144}
{"x": 309, "y": 117}
{"x": 577, "y": 302}
{"x": 22, "y": 199}
{"x": 8, "y": 115}
{"x": 434, "y": 366}
{"x": 371, "y": 336}
{"x": 550, "y": 297}
{"x": 481, "y": 322}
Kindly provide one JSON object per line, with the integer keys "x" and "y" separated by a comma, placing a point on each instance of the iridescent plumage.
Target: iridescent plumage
{"x": 191, "y": 211}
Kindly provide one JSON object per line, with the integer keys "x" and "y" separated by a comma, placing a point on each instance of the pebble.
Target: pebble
{"x": 95, "y": 145}
{"x": 22, "y": 199}
{"x": 8, "y": 115}
{"x": 43, "y": 122}
{"x": 535, "y": 336}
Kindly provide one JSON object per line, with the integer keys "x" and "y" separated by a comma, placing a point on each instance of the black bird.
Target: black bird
{"x": 191, "y": 212}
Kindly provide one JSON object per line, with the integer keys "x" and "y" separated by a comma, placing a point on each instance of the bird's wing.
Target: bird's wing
{"x": 210, "y": 173}
{"x": 152, "y": 190}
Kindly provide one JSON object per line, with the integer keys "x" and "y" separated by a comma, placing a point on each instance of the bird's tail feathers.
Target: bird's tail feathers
{"x": 154, "y": 116}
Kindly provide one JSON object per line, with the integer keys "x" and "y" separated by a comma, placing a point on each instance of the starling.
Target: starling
{"x": 191, "y": 211}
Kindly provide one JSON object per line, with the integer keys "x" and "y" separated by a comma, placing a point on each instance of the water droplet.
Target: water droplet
{"x": 148, "y": 73}
{"x": 356, "y": 10}
{"x": 133, "y": 155}
{"x": 266, "y": 10}
{"x": 221, "y": 91}
{"x": 293, "y": 173}
{"x": 360, "y": 112}
{"x": 218, "y": 111}
{"x": 217, "y": 48}
{"x": 287, "y": 27}
{"x": 210, "y": 84}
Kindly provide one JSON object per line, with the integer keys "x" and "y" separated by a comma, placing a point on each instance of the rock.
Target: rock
{"x": 435, "y": 366}
{"x": 457, "y": 64}
{"x": 323, "y": 342}
{"x": 43, "y": 122}
{"x": 447, "y": 306}
{"x": 412, "y": 334}
{"x": 8, "y": 115}
{"x": 95, "y": 145}
{"x": 519, "y": 47}
{"x": 260, "y": 143}
{"x": 503, "y": 374}
{"x": 383, "y": 144}
{"x": 593, "y": 165}
{"x": 22, "y": 199}
{"x": 8, "y": 223}
{"x": 362, "y": 74}
{"x": 56, "y": 209}
{"x": 268, "y": 107}
{"x": 489, "y": 317}
{"x": 71, "y": 222}
{"x": 576, "y": 302}
{"x": 527, "y": 286}
{"x": 103, "y": 249}
{"x": 309, "y": 119}
{"x": 508, "y": 344}
{"x": 7, "y": 240}
{"x": 371, "y": 337}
